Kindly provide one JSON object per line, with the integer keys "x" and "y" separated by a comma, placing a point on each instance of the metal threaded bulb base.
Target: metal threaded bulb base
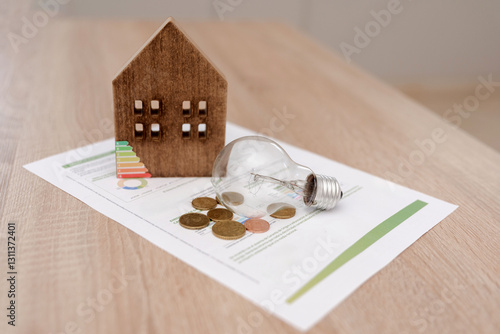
{"x": 328, "y": 192}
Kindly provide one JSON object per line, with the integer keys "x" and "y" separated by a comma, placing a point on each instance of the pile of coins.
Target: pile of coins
{"x": 224, "y": 227}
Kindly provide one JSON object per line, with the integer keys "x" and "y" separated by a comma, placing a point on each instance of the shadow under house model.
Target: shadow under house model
{"x": 170, "y": 109}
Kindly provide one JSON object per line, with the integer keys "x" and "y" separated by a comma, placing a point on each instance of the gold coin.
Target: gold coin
{"x": 281, "y": 210}
{"x": 228, "y": 230}
{"x": 204, "y": 203}
{"x": 233, "y": 198}
{"x": 220, "y": 214}
{"x": 194, "y": 221}
{"x": 217, "y": 199}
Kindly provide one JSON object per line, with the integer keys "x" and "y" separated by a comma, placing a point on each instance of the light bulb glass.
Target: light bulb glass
{"x": 254, "y": 176}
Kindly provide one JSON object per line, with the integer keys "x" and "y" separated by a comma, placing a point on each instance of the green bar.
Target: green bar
{"x": 359, "y": 246}
{"x": 121, "y": 143}
{"x": 125, "y": 154}
{"x": 124, "y": 148}
{"x": 95, "y": 157}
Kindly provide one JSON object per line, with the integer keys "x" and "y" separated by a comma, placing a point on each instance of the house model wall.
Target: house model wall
{"x": 169, "y": 108}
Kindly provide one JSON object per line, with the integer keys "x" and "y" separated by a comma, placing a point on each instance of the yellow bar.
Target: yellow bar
{"x": 128, "y": 159}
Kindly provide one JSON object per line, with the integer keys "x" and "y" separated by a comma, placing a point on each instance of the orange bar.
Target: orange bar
{"x": 131, "y": 164}
{"x": 132, "y": 170}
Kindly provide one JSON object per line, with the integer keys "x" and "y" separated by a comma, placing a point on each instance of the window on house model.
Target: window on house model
{"x": 186, "y": 131}
{"x": 202, "y": 108}
{"x": 186, "y": 108}
{"x": 138, "y": 107}
{"x": 202, "y": 131}
{"x": 155, "y": 131}
{"x": 139, "y": 130}
{"x": 155, "y": 107}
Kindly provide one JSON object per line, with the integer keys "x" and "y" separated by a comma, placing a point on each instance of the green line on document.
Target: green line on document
{"x": 351, "y": 191}
{"x": 92, "y": 158}
{"x": 359, "y": 246}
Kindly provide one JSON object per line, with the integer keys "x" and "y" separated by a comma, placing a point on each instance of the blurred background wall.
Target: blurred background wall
{"x": 447, "y": 39}
{"x": 434, "y": 51}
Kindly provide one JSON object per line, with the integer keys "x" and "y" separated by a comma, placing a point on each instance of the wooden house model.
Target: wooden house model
{"x": 169, "y": 109}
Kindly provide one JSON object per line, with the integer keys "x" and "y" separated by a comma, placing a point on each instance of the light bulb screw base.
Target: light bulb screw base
{"x": 328, "y": 192}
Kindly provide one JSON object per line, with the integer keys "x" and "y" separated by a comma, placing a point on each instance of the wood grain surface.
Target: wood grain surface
{"x": 82, "y": 272}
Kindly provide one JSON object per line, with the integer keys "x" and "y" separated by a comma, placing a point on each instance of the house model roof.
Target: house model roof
{"x": 165, "y": 33}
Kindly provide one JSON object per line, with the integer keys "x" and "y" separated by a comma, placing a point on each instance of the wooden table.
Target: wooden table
{"x": 56, "y": 96}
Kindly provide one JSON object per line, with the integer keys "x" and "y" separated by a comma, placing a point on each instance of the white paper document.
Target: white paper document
{"x": 301, "y": 268}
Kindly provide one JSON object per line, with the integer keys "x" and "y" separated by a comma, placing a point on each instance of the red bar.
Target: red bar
{"x": 134, "y": 176}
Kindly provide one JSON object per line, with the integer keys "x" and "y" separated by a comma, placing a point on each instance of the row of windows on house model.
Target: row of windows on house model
{"x": 155, "y": 108}
{"x": 140, "y": 133}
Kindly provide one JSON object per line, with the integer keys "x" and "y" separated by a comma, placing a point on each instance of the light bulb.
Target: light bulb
{"x": 254, "y": 176}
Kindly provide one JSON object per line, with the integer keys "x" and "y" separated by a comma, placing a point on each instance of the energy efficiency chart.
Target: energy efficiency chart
{"x": 128, "y": 164}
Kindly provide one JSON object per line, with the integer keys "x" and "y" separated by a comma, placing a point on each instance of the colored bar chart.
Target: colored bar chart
{"x": 128, "y": 164}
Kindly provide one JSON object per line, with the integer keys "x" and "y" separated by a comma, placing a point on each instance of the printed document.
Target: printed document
{"x": 301, "y": 268}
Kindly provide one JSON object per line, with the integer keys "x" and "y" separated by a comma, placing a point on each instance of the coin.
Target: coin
{"x": 281, "y": 210}
{"x": 256, "y": 225}
{"x": 217, "y": 199}
{"x": 228, "y": 229}
{"x": 233, "y": 198}
{"x": 220, "y": 214}
{"x": 194, "y": 221}
{"x": 204, "y": 203}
